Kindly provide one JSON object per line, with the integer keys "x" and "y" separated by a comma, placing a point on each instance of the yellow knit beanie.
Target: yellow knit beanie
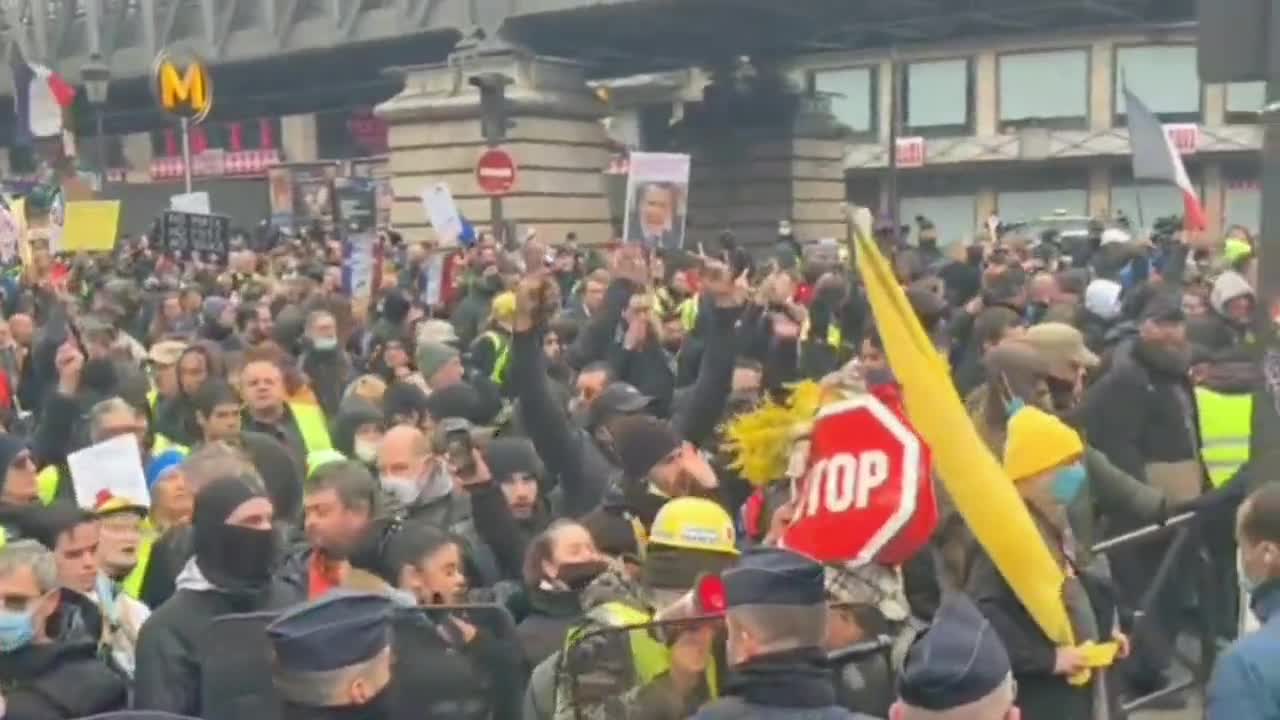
{"x": 1038, "y": 442}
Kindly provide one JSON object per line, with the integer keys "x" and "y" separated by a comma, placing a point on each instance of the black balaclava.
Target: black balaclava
{"x": 232, "y": 558}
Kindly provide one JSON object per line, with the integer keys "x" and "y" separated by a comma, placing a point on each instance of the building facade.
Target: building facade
{"x": 1035, "y": 124}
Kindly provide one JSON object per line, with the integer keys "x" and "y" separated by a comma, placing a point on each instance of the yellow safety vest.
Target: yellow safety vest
{"x": 1224, "y": 432}
{"x": 153, "y": 398}
{"x": 689, "y": 313}
{"x": 47, "y": 478}
{"x": 311, "y": 425}
{"x": 649, "y": 657}
{"x": 835, "y": 338}
{"x": 132, "y": 585}
{"x": 502, "y": 353}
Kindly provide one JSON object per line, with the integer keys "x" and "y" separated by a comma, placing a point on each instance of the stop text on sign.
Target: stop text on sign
{"x": 844, "y": 481}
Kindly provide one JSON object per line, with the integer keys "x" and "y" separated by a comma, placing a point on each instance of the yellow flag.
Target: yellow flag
{"x": 982, "y": 493}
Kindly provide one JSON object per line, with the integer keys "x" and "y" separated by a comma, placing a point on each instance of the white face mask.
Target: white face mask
{"x": 366, "y": 451}
{"x": 326, "y": 343}
{"x": 404, "y": 489}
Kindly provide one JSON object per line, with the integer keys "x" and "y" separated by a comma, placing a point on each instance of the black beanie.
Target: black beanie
{"x": 216, "y": 501}
{"x": 45, "y": 524}
{"x": 402, "y": 398}
{"x": 641, "y": 442}
{"x": 506, "y": 456}
{"x": 456, "y": 401}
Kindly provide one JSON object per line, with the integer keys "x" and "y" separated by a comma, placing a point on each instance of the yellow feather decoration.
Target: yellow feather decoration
{"x": 760, "y": 441}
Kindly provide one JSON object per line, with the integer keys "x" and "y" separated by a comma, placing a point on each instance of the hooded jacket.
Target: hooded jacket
{"x": 60, "y": 680}
{"x": 1219, "y": 330}
{"x": 353, "y": 413}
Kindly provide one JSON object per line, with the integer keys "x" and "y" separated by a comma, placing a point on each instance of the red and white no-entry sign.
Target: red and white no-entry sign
{"x": 496, "y": 172}
{"x": 866, "y": 495}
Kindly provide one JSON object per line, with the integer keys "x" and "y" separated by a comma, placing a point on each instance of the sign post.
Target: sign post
{"x": 183, "y": 87}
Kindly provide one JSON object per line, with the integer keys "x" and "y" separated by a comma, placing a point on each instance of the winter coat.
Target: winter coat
{"x": 1246, "y": 679}
{"x": 1142, "y": 415}
{"x": 551, "y": 615}
{"x": 168, "y": 673}
{"x": 787, "y": 685}
{"x": 59, "y": 680}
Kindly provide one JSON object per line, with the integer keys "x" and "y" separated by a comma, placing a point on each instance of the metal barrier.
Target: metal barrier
{"x": 1186, "y": 543}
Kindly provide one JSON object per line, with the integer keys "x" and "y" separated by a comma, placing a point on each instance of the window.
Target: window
{"x": 1027, "y": 205}
{"x": 1027, "y": 99}
{"x": 1155, "y": 200}
{"x": 1242, "y": 205}
{"x": 936, "y": 97}
{"x": 1164, "y": 77}
{"x": 1245, "y": 101}
{"x": 853, "y": 92}
{"x": 952, "y": 215}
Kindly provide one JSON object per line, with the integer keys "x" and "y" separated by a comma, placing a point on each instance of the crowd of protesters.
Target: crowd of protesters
{"x": 536, "y": 456}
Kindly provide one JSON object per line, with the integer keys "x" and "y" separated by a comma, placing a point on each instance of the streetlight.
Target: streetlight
{"x": 96, "y": 77}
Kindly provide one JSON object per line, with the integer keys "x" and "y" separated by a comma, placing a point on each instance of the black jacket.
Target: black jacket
{"x": 789, "y": 684}
{"x": 329, "y": 373}
{"x": 440, "y": 675}
{"x": 571, "y": 453}
{"x": 59, "y": 680}
{"x": 168, "y": 669}
{"x": 552, "y": 613}
{"x": 1142, "y": 415}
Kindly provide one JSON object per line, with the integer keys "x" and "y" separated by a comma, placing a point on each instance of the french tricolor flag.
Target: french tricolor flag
{"x": 1156, "y": 158}
{"x": 40, "y": 95}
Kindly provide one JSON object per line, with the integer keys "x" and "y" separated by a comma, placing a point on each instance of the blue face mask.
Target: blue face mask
{"x": 1068, "y": 482}
{"x": 17, "y": 630}
{"x": 1014, "y": 406}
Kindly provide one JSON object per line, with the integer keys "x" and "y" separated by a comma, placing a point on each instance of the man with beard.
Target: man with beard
{"x": 1142, "y": 414}
{"x": 235, "y": 548}
{"x": 657, "y": 466}
{"x": 341, "y": 499}
{"x": 507, "y": 506}
{"x": 333, "y": 658}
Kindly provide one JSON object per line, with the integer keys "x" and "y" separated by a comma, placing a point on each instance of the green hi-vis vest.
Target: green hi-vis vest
{"x": 1225, "y": 427}
{"x": 502, "y": 355}
{"x": 649, "y": 657}
{"x": 311, "y": 425}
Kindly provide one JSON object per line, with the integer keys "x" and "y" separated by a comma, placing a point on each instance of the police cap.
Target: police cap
{"x": 773, "y": 576}
{"x": 337, "y": 631}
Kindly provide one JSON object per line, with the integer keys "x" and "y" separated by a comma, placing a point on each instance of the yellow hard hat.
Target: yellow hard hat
{"x": 504, "y": 306}
{"x": 694, "y": 524}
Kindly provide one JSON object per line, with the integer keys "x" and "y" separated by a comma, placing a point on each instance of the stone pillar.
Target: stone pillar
{"x": 760, "y": 177}
{"x": 559, "y": 145}
{"x": 986, "y": 95}
{"x": 1215, "y": 197}
{"x": 1101, "y": 86}
{"x": 1099, "y": 190}
{"x": 298, "y": 138}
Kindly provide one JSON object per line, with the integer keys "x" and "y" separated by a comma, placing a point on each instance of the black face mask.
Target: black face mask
{"x": 580, "y": 574}
{"x": 234, "y": 558}
{"x": 1063, "y": 393}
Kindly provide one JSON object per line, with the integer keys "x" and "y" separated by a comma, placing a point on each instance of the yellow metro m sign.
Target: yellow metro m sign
{"x": 183, "y": 89}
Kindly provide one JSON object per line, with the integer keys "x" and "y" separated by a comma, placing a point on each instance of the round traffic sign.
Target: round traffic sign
{"x": 496, "y": 172}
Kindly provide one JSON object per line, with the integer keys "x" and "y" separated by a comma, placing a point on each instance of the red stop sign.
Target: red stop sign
{"x": 866, "y": 494}
{"x": 496, "y": 172}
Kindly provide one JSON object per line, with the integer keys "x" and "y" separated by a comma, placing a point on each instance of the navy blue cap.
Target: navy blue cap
{"x": 959, "y": 660}
{"x": 337, "y": 631}
{"x": 773, "y": 576}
